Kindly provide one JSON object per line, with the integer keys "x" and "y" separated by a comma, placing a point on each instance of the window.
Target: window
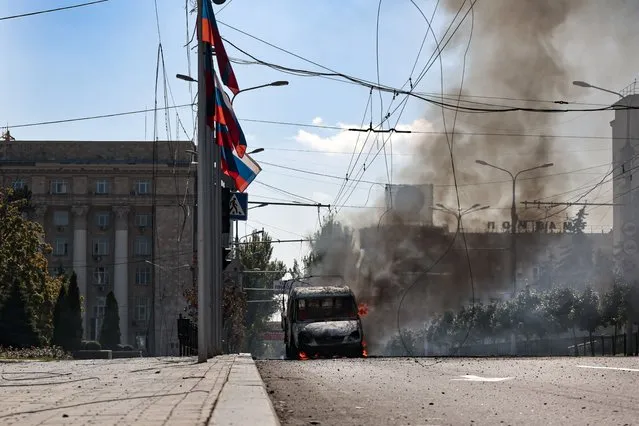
{"x": 60, "y": 247}
{"x": 59, "y": 186}
{"x": 143, "y": 187}
{"x": 142, "y": 220}
{"x": 18, "y": 184}
{"x": 100, "y": 307}
{"x": 100, "y": 276}
{"x": 326, "y": 308}
{"x": 143, "y": 275}
{"x": 61, "y": 218}
{"x": 102, "y": 186}
{"x": 102, "y": 219}
{"x": 142, "y": 246}
{"x": 98, "y": 317}
{"x": 141, "y": 309}
{"x": 100, "y": 247}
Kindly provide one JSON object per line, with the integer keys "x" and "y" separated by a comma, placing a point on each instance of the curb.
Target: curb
{"x": 243, "y": 399}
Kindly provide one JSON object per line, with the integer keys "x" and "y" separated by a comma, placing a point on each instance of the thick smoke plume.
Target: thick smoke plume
{"x": 524, "y": 51}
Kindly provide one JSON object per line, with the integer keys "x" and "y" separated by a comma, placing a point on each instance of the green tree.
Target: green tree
{"x": 23, "y": 196}
{"x": 483, "y": 320}
{"x": 256, "y": 257}
{"x": 502, "y": 321}
{"x": 23, "y": 260}
{"x": 561, "y": 304}
{"x": 17, "y": 322}
{"x": 576, "y": 262}
{"x": 525, "y": 312}
{"x": 588, "y": 314}
{"x": 110, "y": 333}
{"x": 60, "y": 314}
{"x": 332, "y": 250}
{"x": 616, "y": 305}
{"x": 74, "y": 312}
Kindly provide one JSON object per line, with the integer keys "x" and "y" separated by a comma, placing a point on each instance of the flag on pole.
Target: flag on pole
{"x": 238, "y": 165}
{"x": 220, "y": 117}
{"x": 241, "y": 170}
{"x": 227, "y": 127}
{"x": 211, "y": 36}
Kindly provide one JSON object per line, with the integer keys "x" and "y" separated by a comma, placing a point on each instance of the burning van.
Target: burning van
{"x": 321, "y": 322}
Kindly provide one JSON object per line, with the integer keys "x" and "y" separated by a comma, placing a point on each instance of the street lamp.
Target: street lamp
{"x": 590, "y": 86}
{"x": 273, "y": 84}
{"x": 513, "y": 216}
{"x": 186, "y": 78}
{"x": 459, "y": 213}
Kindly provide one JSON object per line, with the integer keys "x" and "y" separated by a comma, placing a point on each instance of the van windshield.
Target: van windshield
{"x": 326, "y": 308}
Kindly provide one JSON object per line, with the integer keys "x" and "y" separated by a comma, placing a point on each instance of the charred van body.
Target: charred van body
{"x": 322, "y": 322}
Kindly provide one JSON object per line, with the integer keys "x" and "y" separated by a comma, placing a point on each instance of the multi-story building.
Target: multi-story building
{"x": 119, "y": 214}
{"x": 625, "y": 150}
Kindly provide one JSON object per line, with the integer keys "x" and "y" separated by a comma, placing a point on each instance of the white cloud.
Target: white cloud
{"x": 317, "y": 121}
{"x": 345, "y": 141}
{"x": 322, "y": 197}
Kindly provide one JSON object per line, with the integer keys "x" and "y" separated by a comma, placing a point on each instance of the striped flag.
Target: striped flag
{"x": 229, "y": 137}
{"x": 228, "y": 130}
{"x": 211, "y": 36}
{"x": 241, "y": 170}
{"x": 238, "y": 165}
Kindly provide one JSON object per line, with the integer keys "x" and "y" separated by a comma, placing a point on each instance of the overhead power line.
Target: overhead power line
{"x": 40, "y": 12}
{"x": 396, "y": 91}
{"x": 95, "y": 117}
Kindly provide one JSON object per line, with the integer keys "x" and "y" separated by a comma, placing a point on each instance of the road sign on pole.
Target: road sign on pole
{"x": 238, "y": 206}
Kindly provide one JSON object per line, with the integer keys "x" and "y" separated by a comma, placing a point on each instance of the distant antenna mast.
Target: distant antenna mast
{"x": 6, "y": 136}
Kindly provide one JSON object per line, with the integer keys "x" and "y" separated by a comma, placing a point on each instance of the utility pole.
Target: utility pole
{"x": 203, "y": 206}
{"x": 209, "y": 221}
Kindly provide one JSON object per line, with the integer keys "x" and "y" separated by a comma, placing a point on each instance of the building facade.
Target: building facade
{"x": 625, "y": 153}
{"x": 119, "y": 214}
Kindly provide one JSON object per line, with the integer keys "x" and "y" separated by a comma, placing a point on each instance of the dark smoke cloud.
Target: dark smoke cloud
{"x": 524, "y": 50}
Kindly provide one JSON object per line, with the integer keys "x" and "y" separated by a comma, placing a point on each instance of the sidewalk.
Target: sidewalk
{"x": 226, "y": 390}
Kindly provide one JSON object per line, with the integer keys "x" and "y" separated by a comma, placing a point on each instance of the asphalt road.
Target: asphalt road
{"x": 455, "y": 391}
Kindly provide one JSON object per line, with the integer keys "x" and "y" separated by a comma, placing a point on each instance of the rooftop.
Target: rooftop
{"x": 320, "y": 291}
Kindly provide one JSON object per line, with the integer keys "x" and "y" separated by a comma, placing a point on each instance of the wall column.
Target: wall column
{"x": 80, "y": 259}
{"x": 121, "y": 269}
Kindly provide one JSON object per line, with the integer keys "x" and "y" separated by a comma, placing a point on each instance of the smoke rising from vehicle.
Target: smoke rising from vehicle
{"x": 523, "y": 50}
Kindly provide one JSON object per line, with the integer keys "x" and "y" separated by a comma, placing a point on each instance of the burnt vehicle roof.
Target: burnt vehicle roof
{"x": 321, "y": 291}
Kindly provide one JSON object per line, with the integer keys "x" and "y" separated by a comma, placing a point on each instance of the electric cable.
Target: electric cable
{"x": 22, "y": 15}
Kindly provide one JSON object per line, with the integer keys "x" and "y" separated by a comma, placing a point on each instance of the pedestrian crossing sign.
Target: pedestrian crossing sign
{"x": 238, "y": 206}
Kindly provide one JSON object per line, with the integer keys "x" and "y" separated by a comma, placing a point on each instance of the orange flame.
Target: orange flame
{"x": 362, "y": 310}
{"x": 303, "y": 356}
{"x": 364, "y": 350}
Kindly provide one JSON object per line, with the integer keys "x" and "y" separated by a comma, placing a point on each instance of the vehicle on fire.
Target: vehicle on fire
{"x": 322, "y": 321}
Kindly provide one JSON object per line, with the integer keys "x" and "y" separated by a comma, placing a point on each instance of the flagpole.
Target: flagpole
{"x": 204, "y": 205}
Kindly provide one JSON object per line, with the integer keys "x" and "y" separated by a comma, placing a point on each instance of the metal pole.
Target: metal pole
{"x": 237, "y": 239}
{"x": 203, "y": 207}
{"x": 217, "y": 331}
{"x": 513, "y": 242}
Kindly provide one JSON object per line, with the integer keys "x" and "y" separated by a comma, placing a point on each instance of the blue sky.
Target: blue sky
{"x": 102, "y": 59}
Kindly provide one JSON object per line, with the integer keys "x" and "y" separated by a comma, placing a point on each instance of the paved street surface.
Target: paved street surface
{"x": 403, "y": 391}
{"x": 139, "y": 391}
